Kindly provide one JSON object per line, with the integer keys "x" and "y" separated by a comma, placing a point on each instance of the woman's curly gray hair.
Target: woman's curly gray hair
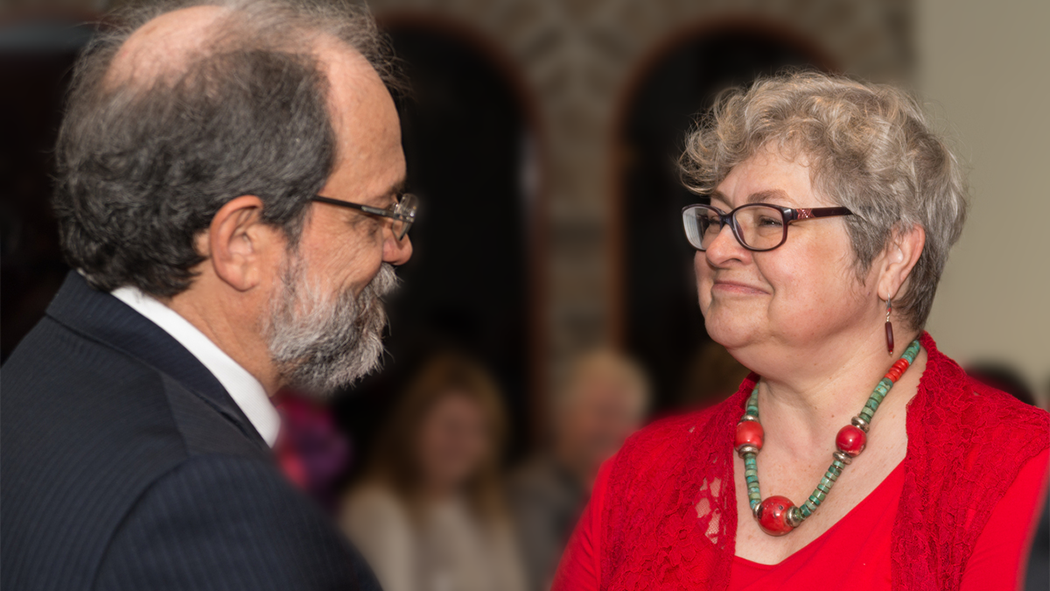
{"x": 871, "y": 149}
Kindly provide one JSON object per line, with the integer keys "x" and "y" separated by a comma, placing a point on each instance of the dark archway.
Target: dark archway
{"x": 36, "y": 61}
{"x": 661, "y": 321}
{"x": 469, "y": 144}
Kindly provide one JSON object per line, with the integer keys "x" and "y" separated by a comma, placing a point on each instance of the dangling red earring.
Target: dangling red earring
{"x": 889, "y": 327}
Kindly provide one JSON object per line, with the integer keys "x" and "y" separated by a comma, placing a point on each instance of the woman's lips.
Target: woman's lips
{"x": 737, "y": 288}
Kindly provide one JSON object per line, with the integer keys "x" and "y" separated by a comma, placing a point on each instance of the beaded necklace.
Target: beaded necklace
{"x": 777, "y": 515}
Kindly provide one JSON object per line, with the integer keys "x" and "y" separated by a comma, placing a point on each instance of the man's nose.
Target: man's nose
{"x": 397, "y": 252}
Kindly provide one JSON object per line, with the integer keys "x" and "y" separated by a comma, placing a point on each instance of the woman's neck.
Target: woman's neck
{"x": 803, "y": 409}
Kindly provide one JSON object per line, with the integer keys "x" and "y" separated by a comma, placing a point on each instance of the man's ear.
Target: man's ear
{"x": 899, "y": 258}
{"x": 240, "y": 246}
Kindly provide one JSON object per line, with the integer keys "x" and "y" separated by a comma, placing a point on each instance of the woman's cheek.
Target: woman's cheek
{"x": 703, "y": 282}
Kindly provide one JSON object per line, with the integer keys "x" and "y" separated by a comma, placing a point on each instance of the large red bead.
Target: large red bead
{"x": 772, "y": 515}
{"x": 851, "y": 440}
{"x": 749, "y": 433}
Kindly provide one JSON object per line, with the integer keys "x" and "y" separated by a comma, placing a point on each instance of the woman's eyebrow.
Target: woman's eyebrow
{"x": 717, "y": 195}
{"x": 767, "y": 195}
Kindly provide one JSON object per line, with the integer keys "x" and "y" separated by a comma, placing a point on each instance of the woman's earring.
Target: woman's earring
{"x": 889, "y": 327}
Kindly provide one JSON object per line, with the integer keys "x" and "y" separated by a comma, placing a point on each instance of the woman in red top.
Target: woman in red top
{"x": 856, "y": 455}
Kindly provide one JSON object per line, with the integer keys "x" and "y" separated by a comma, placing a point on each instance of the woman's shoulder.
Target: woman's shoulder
{"x": 1007, "y": 410}
{"x": 967, "y": 445}
{"x": 670, "y": 430}
{"x": 666, "y": 442}
{"x": 956, "y": 402}
{"x": 971, "y": 438}
{"x": 673, "y": 427}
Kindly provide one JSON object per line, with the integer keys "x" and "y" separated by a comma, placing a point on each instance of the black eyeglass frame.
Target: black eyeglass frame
{"x": 395, "y": 212}
{"x": 790, "y": 215}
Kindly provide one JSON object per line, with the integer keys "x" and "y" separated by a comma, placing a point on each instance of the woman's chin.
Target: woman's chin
{"x": 730, "y": 337}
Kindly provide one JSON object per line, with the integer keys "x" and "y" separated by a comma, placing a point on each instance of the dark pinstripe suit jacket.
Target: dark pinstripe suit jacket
{"x": 126, "y": 465}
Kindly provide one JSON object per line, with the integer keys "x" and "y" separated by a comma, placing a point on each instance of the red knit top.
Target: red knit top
{"x": 957, "y": 513}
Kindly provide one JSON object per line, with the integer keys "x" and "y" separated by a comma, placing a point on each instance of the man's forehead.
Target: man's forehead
{"x": 350, "y": 75}
{"x": 363, "y": 114}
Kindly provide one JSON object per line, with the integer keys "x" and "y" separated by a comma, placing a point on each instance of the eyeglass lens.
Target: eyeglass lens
{"x": 758, "y": 227}
{"x": 405, "y": 212}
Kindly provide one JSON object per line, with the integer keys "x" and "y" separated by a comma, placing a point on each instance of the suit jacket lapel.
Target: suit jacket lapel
{"x": 104, "y": 318}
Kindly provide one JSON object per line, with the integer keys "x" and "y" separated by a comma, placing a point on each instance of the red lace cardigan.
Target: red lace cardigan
{"x": 669, "y": 521}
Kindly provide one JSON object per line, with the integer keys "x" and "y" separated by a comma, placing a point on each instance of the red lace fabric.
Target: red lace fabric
{"x": 669, "y": 520}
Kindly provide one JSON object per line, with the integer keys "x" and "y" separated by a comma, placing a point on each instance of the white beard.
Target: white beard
{"x": 320, "y": 346}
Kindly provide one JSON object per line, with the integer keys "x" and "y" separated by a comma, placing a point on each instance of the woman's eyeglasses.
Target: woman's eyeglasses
{"x": 757, "y": 226}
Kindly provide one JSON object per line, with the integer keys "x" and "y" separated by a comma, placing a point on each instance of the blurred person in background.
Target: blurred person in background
{"x": 603, "y": 402}
{"x": 712, "y": 376}
{"x": 857, "y": 455}
{"x": 311, "y": 449}
{"x": 228, "y": 193}
{"x": 430, "y": 513}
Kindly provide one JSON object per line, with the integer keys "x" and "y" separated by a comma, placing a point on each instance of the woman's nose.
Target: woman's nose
{"x": 725, "y": 247}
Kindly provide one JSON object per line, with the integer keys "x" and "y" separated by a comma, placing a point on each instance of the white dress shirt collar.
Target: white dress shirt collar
{"x": 245, "y": 390}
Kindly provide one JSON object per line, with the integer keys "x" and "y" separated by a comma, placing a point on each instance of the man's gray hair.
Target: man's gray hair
{"x": 872, "y": 149}
{"x": 144, "y": 166}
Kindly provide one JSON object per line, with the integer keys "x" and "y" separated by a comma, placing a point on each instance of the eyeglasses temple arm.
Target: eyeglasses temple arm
{"x": 365, "y": 208}
{"x": 819, "y": 212}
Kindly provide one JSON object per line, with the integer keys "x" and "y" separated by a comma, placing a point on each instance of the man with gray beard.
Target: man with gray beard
{"x": 230, "y": 192}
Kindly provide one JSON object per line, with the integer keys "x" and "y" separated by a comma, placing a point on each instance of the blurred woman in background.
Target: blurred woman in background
{"x": 430, "y": 514}
{"x": 603, "y": 400}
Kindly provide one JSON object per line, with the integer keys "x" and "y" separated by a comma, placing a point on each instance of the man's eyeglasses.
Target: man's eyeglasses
{"x": 403, "y": 213}
{"x": 757, "y": 226}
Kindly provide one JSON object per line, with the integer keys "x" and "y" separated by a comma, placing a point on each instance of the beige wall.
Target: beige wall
{"x": 985, "y": 66}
